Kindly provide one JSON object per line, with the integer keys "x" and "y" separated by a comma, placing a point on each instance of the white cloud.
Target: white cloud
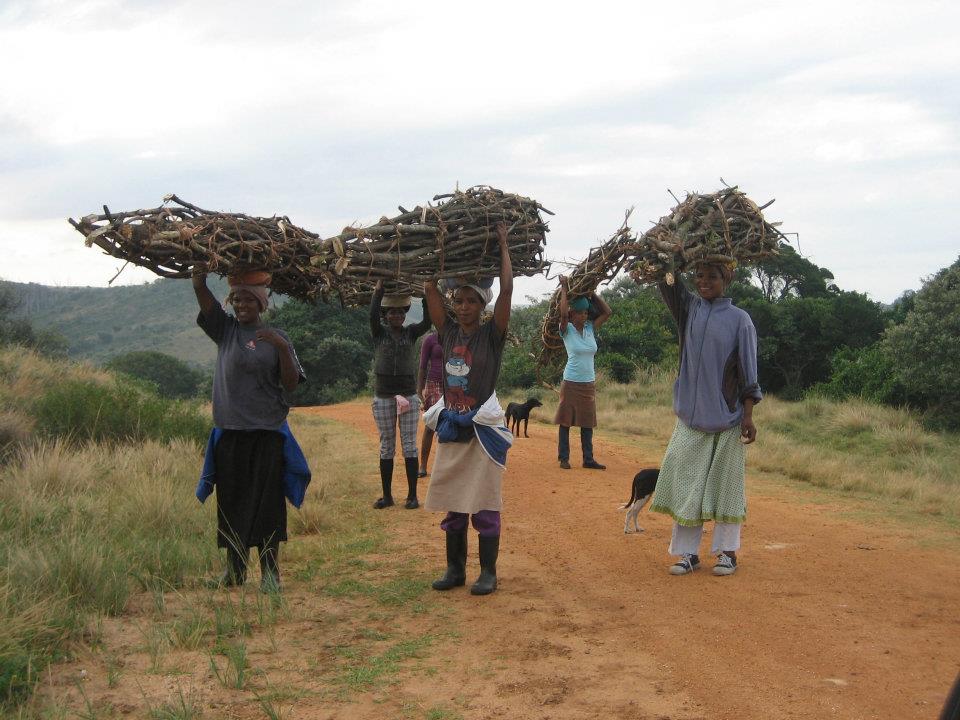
{"x": 337, "y": 112}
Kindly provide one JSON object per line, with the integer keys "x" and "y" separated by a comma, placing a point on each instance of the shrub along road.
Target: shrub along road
{"x": 842, "y": 607}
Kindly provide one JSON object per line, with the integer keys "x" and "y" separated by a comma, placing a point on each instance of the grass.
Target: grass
{"x": 366, "y": 671}
{"x": 110, "y": 535}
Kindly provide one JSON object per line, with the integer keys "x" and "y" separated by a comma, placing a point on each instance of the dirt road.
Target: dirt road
{"x": 835, "y": 611}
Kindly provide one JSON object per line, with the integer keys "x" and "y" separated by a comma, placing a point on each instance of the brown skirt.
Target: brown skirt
{"x": 578, "y": 405}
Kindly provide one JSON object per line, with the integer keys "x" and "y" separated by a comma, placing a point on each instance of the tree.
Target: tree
{"x": 173, "y": 378}
{"x": 925, "y": 348}
{"x": 334, "y": 347}
{"x": 790, "y": 275}
{"x": 17, "y": 331}
{"x": 797, "y": 336}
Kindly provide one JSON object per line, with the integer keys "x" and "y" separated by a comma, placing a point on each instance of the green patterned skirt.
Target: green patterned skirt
{"x": 702, "y": 477}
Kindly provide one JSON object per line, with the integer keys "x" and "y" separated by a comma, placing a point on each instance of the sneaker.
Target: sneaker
{"x": 564, "y": 465}
{"x": 411, "y": 503}
{"x": 726, "y": 565}
{"x": 686, "y": 564}
{"x": 594, "y": 465}
{"x": 383, "y": 502}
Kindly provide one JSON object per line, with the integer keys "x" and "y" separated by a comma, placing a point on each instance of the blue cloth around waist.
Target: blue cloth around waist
{"x": 296, "y": 472}
{"x": 496, "y": 441}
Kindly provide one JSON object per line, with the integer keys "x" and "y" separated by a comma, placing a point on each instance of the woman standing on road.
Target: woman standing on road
{"x": 429, "y": 389}
{"x": 578, "y": 398}
{"x": 395, "y": 400}
{"x": 472, "y": 439}
{"x": 252, "y": 458}
{"x": 702, "y": 474}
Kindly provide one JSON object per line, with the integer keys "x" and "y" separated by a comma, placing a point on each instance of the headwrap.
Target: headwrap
{"x": 483, "y": 287}
{"x": 254, "y": 282}
{"x": 580, "y": 304}
{"x": 258, "y": 291}
{"x": 486, "y": 294}
{"x": 726, "y": 268}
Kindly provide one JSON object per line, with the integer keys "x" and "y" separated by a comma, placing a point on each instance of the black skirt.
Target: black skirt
{"x": 250, "y": 504}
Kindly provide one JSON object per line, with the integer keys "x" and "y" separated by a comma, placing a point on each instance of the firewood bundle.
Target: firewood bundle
{"x": 601, "y": 265}
{"x": 725, "y": 226}
{"x": 454, "y": 237}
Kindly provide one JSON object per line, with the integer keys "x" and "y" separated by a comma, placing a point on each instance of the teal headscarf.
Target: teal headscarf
{"x": 580, "y": 304}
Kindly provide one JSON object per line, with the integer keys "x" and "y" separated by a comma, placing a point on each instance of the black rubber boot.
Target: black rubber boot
{"x": 412, "y": 466}
{"x": 270, "y": 566}
{"x": 456, "y": 574}
{"x": 235, "y": 573}
{"x": 386, "y": 481}
{"x": 487, "y": 582}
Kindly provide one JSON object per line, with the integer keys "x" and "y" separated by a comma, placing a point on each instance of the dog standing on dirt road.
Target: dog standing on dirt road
{"x": 520, "y": 411}
{"x": 644, "y": 483}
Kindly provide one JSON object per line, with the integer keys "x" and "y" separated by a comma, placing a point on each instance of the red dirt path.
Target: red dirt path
{"x": 835, "y": 612}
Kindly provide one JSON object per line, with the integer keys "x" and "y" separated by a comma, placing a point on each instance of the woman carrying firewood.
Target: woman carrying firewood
{"x": 252, "y": 459}
{"x": 469, "y": 424}
{"x": 702, "y": 473}
{"x": 395, "y": 400}
{"x": 578, "y": 399}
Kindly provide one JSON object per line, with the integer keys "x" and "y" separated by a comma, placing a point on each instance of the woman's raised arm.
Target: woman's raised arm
{"x": 501, "y": 311}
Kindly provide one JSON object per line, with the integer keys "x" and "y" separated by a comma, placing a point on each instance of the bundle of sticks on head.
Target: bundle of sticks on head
{"x": 453, "y": 237}
{"x": 722, "y": 227}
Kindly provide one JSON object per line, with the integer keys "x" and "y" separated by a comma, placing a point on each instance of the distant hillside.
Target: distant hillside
{"x": 100, "y": 323}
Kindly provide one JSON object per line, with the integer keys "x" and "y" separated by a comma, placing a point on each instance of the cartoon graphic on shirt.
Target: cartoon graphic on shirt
{"x": 458, "y": 371}
{"x": 251, "y": 345}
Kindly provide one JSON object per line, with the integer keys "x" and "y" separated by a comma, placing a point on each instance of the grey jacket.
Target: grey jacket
{"x": 718, "y": 359}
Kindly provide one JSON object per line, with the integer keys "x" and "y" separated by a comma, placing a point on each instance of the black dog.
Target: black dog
{"x": 644, "y": 483}
{"x": 521, "y": 411}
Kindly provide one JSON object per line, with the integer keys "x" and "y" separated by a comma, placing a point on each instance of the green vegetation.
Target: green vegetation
{"x": 99, "y": 323}
{"x": 16, "y": 330}
{"x": 50, "y": 399}
{"x": 170, "y": 378}
{"x": 96, "y": 534}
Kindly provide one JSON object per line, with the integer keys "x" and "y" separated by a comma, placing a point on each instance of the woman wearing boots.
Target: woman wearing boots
{"x": 578, "y": 399}
{"x": 471, "y": 449}
{"x": 395, "y": 400}
{"x": 702, "y": 473}
{"x": 251, "y": 445}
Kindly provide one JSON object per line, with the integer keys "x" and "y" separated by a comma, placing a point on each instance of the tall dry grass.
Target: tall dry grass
{"x": 81, "y": 528}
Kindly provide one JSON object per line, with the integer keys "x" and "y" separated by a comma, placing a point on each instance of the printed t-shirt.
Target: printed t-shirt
{"x": 580, "y": 352}
{"x": 247, "y": 394}
{"x": 471, "y": 365}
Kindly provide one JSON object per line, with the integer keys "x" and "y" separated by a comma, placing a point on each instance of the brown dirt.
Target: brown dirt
{"x": 828, "y": 615}
{"x": 837, "y": 611}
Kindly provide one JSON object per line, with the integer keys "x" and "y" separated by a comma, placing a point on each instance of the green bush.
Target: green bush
{"x": 85, "y": 409}
{"x": 867, "y": 372}
{"x": 620, "y": 368}
{"x": 172, "y": 378}
{"x": 518, "y": 369}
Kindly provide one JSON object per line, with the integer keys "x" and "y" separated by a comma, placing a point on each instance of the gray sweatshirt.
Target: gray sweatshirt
{"x": 718, "y": 359}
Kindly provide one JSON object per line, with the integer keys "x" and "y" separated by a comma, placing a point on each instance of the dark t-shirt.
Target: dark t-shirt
{"x": 471, "y": 364}
{"x": 247, "y": 394}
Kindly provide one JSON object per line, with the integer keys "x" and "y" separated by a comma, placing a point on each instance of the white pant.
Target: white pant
{"x": 685, "y": 540}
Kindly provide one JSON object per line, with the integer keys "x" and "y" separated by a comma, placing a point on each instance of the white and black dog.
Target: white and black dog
{"x": 644, "y": 483}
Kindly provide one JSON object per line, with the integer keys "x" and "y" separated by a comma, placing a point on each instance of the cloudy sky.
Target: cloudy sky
{"x": 336, "y": 112}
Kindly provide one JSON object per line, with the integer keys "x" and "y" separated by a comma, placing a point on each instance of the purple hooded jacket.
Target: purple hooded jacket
{"x": 718, "y": 359}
